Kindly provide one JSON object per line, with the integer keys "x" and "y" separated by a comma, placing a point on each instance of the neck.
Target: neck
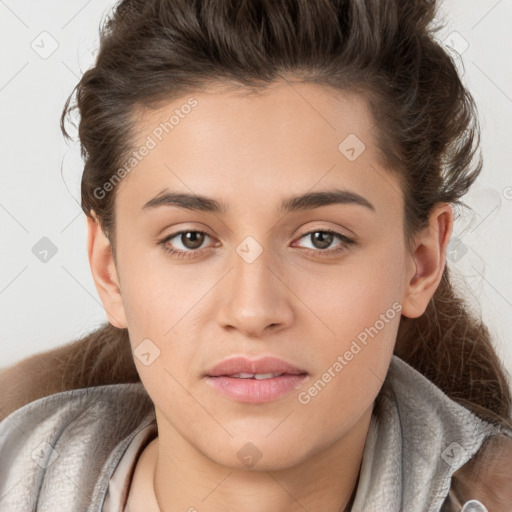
{"x": 184, "y": 479}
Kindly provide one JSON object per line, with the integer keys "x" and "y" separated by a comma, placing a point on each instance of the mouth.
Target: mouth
{"x": 259, "y": 381}
{"x": 244, "y": 368}
{"x": 257, "y": 376}
{"x": 255, "y": 389}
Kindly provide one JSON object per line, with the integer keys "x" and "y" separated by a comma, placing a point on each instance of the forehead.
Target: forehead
{"x": 289, "y": 137}
{"x": 308, "y": 113}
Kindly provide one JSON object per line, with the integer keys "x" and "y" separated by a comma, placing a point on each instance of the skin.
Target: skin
{"x": 251, "y": 152}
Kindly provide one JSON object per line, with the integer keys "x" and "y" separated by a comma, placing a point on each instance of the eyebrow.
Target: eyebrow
{"x": 306, "y": 201}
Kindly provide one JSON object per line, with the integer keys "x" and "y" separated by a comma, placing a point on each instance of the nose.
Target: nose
{"x": 254, "y": 298}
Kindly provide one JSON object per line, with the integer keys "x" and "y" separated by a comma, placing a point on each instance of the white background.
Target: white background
{"x": 43, "y": 305}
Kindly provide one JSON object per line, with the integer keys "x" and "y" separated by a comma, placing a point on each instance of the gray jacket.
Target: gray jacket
{"x": 58, "y": 453}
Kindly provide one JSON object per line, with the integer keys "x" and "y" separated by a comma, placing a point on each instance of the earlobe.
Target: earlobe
{"x": 428, "y": 261}
{"x": 104, "y": 272}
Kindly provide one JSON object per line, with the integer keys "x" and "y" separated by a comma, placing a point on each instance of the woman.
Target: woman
{"x": 268, "y": 190}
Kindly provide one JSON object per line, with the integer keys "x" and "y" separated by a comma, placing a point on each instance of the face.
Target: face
{"x": 319, "y": 283}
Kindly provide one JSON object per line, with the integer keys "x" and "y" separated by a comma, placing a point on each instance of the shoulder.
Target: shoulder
{"x": 487, "y": 477}
{"x": 57, "y": 448}
{"x": 456, "y": 454}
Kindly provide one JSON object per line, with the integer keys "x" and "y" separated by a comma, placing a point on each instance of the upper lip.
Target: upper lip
{"x": 244, "y": 365}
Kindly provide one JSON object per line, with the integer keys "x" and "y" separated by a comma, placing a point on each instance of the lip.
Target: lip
{"x": 244, "y": 365}
{"x": 252, "y": 390}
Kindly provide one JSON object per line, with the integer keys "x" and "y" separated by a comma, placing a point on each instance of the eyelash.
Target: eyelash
{"x": 316, "y": 252}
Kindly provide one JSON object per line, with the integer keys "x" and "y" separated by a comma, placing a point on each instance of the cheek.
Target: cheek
{"x": 153, "y": 296}
{"x": 353, "y": 359}
{"x": 357, "y": 309}
{"x": 349, "y": 297}
{"x": 155, "y": 311}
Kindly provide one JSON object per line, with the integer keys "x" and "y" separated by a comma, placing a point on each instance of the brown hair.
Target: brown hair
{"x": 427, "y": 130}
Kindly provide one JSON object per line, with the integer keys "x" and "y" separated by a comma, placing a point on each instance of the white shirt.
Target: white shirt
{"x": 119, "y": 484}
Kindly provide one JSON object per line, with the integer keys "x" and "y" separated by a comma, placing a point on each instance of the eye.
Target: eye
{"x": 321, "y": 240}
{"x": 190, "y": 241}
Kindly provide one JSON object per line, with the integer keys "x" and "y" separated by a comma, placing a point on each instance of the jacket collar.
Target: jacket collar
{"x": 417, "y": 438}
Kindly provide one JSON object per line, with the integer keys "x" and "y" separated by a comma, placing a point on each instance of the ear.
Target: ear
{"x": 104, "y": 272}
{"x": 428, "y": 261}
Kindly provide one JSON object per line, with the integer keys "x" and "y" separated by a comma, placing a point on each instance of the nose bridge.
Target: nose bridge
{"x": 256, "y": 297}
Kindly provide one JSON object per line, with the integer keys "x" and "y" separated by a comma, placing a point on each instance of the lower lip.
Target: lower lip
{"x": 256, "y": 391}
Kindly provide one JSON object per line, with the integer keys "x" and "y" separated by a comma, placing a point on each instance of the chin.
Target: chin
{"x": 257, "y": 453}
